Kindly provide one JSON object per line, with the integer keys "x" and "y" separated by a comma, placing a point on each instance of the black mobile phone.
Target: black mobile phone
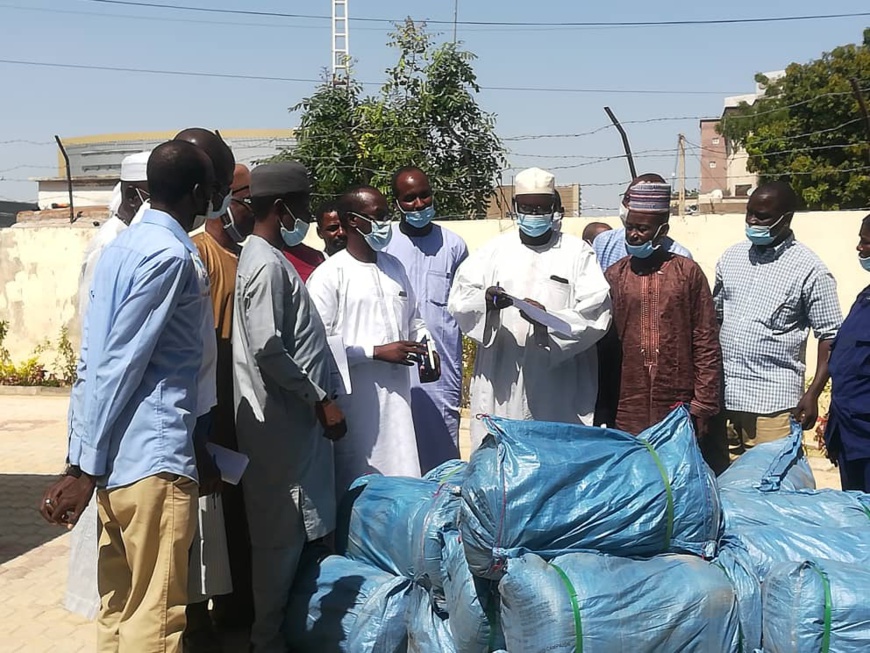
{"x": 427, "y": 368}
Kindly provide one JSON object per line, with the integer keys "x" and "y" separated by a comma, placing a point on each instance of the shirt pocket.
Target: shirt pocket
{"x": 438, "y": 287}
{"x": 555, "y": 295}
{"x": 786, "y": 315}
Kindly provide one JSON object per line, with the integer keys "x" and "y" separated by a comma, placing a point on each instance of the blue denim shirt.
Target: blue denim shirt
{"x": 133, "y": 410}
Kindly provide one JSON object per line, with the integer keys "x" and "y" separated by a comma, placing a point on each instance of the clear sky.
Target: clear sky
{"x": 697, "y": 65}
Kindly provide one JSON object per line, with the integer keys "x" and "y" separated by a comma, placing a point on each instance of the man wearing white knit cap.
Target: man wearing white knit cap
{"x": 127, "y": 196}
{"x": 82, "y": 596}
{"x": 525, "y": 369}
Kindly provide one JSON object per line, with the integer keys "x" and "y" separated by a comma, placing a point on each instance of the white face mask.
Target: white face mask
{"x": 214, "y": 214}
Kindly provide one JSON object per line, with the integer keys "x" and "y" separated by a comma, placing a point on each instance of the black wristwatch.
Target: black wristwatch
{"x": 73, "y": 470}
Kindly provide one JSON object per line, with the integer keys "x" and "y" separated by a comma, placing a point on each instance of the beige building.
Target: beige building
{"x": 95, "y": 161}
{"x": 500, "y": 204}
{"x": 726, "y": 183}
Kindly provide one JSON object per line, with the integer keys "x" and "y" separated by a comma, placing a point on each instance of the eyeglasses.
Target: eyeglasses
{"x": 535, "y": 209}
{"x": 386, "y": 217}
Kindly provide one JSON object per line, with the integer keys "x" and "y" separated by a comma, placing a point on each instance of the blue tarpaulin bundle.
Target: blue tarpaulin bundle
{"x": 396, "y": 524}
{"x": 452, "y": 472}
{"x": 771, "y": 466}
{"x": 550, "y": 488}
{"x": 343, "y": 606}
{"x": 471, "y": 602}
{"x": 734, "y": 559}
{"x": 817, "y": 607}
{"x": 428, "y": 628}
{"x": 802, "y": 525}
{"x": 594, "y": 603}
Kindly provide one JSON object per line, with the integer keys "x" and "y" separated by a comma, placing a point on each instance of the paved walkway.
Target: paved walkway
{"x": 33, "y": 554}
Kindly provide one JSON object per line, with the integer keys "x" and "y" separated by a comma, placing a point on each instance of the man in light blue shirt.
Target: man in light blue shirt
{"x": 609, "y": 246}
{"x": 132, "y": 419}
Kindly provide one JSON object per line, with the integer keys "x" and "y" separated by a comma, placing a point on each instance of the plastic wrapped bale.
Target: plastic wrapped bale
{"x": 344, "y": 606}
{"x": 396, "y": 524}
{"x": 734, "y": 559}
{"x": 428, "y": 628}
{"x": 472, "y": 602}
{"x": 789, "y": 526}
{"x": 771, "y": 466}
{"x": 596, "y": 603}
{"x": 451, "y": 471}
{"x": 549, "y": 488}
{"x": 817, "y": 606}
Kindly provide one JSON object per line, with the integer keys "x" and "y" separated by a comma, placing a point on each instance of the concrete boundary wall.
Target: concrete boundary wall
{"x": 40, "y": 263}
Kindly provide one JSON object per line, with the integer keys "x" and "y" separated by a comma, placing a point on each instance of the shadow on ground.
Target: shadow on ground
{"x": 21, "y": 527}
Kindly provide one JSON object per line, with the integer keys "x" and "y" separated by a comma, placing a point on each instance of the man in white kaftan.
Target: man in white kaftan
{"x": 524, "y": 370}
{"x": 364, "y": 296}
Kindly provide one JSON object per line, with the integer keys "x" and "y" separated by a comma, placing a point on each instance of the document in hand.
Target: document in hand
{"x": 555, "y": 324}
{"x": 231, "y": 463}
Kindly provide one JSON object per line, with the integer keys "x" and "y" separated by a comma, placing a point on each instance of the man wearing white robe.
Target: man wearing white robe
{"x": 523, "y": 369}
{"x": 82, "y": 596}
{"x": 364, "y": 296}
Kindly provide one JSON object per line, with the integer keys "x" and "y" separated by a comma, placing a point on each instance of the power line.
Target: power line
{"x": 269, "y": 78}
{"x": 663, "y": 23}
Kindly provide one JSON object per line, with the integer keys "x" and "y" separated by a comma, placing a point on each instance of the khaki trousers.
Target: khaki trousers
{"x": 145, "y": 539}
{"x": 745, "y": 430}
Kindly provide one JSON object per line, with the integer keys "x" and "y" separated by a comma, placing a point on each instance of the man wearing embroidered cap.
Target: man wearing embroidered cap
{"x": 523, "y": 369}
{"x": 285, "y": 416}
{"x": 610, "y": 247}
{"x": 664, "y": 318}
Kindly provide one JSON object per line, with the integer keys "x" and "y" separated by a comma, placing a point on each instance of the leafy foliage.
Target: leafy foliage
{"x": 425, "y": 114}
{"x": 32, "y": 371}
{"x": 808, "y": 129}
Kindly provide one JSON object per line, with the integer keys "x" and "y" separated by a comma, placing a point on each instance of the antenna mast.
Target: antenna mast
{"x": 340, "y": 42}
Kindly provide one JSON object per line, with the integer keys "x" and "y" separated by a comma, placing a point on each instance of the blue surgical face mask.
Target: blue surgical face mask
{"x": 535, "y": 225}
{"x": 760, "y": 235}
{"x": 419, "y": 219}
{"x": 645, "y": 250}
{"x": 380, "y": 235}
{"x": 865, "y": 262}
{"x": 296, "y": 235}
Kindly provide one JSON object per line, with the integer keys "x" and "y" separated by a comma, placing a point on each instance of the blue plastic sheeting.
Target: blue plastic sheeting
{"x": 817, "y": 607}
{"x": 343, "y": 606}
{"x": 451, "y": 471}
{"x": 471, "y": 602}
{"x": 789, "y": 526}
{"x": 396, "y": 524}
{"x": 593, "y": 603}
{"x": 550, "y": 488}
{"x": 734, "y": 559}
{"x": 428, "y": 629}
{"x": 771, "y": 466}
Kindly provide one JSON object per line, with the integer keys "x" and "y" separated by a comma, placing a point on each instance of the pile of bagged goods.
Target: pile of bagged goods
{"x": 558, "y": 538}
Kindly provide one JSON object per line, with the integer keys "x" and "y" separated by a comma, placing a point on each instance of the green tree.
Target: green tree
{"x": 425, "y": 114}
{"x": 808, "y": 129}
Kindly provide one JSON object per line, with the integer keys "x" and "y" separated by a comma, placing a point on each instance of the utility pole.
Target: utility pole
{"x": 340, "y": 42}
{"x": 455, "y": 17}
{"x": 682, "y": 174}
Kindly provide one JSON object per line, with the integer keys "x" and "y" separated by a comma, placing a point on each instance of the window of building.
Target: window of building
{"x": 716, "y": 140}
{"x": 712, "y": 164}
{"x": 742, "y": 190}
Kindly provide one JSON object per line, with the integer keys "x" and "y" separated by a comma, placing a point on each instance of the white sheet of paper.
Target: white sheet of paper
{"x": 339, "y": 354}
{"x": 555, "y": 324}
{"x": 231, "y": 463}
